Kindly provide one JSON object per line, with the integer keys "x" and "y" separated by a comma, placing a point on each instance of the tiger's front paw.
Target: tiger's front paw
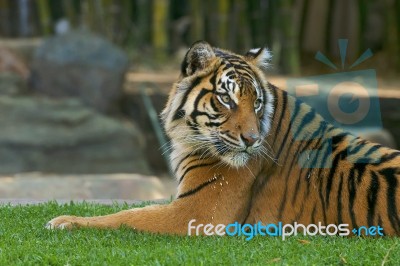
{"x": 62, "y": 222}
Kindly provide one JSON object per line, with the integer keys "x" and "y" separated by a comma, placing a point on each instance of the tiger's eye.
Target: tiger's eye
{"x": 257, "y": 104}
{"x": 225, "y": 99}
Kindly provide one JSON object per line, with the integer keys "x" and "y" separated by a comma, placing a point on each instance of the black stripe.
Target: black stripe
{"x": 372, "y": 149}
{"x": 390, "y": 157}
{"x": 332, "y": 173}
{"x": 339, "y": 200}
{"x": 228, "y": 141}
{"x": 292, "y": 118}
{"x": 226, "y": 66}
{"x": 283, "y": 110}
{"x": 193, "y": 126}
{"x": 214, "y": 124}
{"x": 213, "y": 105}
{"x": 372, "y": 198}
{"x": 178, "y": 111}
{"x": 294, "y": 156}
{"x": 197, "y": 189}
{"x": 352, "y": 195}
{"x": 197, "y": 113}
{"x": 181, "y": 161}
{"x": 327, "y": 147}
{"x": 360, "y": 170}
{"x": 194, "y": 159}
{"x": 336, "y": 140}
{"x": 194, "y": 167}
{"x": 389, "y": 174}
{"x": 229, "y": 136}
{"x": 179, "y": 114}
{"x": 317, "y": 135}
{"x": 213, "y": 79}
{"x": 354, "y": 147}
{"x": 307, "y": 119}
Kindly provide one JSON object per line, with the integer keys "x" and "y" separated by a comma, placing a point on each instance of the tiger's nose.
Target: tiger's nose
{"x": 250, "y": 138}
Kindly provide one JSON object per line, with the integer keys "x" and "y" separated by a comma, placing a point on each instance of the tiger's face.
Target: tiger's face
{"x": 222, "y": 106}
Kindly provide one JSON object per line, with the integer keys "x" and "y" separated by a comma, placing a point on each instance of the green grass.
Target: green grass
{"x": 25, "y": 241}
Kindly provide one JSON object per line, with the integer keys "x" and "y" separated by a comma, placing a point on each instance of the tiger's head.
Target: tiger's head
{"x": 221, "y": 106}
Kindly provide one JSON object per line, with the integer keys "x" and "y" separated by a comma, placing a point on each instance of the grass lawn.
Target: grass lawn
{"x": 25, "y": 241}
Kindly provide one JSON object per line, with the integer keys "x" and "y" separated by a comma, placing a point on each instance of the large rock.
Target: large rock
{"x": 63, "y": 136}
{"x": 82, "y": 65}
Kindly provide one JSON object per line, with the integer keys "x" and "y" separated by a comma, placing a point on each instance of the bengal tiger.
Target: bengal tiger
{"x": 245, "y": 151}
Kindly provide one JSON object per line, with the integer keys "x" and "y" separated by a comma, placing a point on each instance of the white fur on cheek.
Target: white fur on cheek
{"x": 268, "y": 111}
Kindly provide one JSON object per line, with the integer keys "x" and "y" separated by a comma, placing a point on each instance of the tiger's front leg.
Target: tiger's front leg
{"x": 155, "y": 218}
{"x": 208, "y": 197}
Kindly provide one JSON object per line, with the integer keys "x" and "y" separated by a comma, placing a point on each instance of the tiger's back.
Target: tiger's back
{"x": 332, "y": 178}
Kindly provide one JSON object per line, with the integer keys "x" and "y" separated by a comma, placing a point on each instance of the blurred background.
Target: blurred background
{"x": 81, "y": 82}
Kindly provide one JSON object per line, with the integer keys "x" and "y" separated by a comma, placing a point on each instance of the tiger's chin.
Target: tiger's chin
{"x": 238, "y": 159}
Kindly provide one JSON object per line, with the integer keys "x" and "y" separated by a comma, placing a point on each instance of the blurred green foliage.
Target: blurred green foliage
{"x": 160, "y": 28}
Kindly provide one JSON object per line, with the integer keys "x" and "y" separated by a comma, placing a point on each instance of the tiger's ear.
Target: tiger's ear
{"x": 261, "y": 57}
{"x": 197, "y": 58}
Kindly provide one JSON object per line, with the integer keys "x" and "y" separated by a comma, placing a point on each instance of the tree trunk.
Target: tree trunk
{"x": 290, "y": 37}
{"x": 143, "y": 22}
{"x": 223, "y": 22}
{"x": 160, "y": 28}
{"x": 197, "y": 16}
{"x": 70, "y": 12}
{"x": 44, "y": 16}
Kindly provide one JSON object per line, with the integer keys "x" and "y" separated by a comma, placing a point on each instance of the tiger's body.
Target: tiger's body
{"x": 245, "y": 151}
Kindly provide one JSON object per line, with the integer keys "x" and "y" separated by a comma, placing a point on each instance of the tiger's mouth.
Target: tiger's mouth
{"x": 223, "y": 147}
{"x": 234, "y": 155}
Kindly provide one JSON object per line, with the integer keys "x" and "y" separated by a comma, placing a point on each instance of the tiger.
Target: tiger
{"x": 243, "y": 150}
